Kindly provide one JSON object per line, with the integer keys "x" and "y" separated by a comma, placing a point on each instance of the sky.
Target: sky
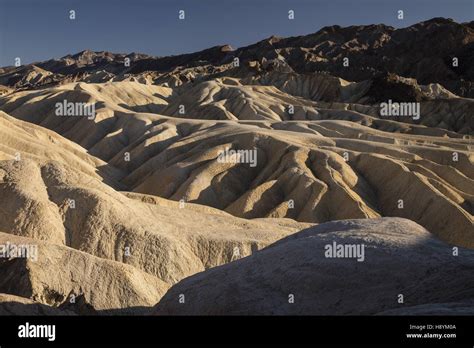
{"x": 37, "y": 30}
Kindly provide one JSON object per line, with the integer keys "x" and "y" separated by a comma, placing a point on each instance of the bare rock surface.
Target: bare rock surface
{"x": 191, "y": 164}
{"x": 400, "y": 257}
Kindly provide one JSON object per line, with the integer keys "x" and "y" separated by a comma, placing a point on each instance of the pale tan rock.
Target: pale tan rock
{"x": 59, "y": 272}
{"x": 137, "y": 198}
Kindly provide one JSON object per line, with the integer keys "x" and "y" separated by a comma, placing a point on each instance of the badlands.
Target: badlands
{"x": 133, "y": 211}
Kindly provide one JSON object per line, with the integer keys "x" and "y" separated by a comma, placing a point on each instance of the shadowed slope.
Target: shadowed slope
{"x": 293, "y": 276}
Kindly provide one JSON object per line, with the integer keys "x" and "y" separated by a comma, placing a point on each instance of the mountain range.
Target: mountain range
{"x": 133, "y": 208}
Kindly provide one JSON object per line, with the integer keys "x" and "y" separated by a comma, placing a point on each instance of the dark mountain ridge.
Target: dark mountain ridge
{"x": 424, "y": 51}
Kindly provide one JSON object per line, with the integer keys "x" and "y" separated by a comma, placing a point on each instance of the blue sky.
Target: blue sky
{"x": 41, "y": 29}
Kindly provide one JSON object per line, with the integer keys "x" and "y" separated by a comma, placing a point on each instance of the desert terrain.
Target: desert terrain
{"x": 134, "y": 210}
